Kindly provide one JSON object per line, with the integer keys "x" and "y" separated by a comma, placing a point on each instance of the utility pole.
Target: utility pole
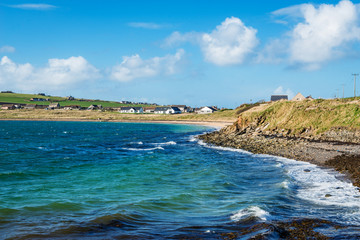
{"x": 343, "y": 85}
{"x": 355, "y": 74}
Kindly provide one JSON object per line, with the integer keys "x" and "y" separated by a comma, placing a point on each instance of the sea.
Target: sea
{"x": 105, "y": 180}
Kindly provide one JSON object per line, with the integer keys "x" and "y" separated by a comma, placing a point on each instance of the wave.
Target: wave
{"x": 202, "y": 143}
{"x": 143, "y": 149}
{"x": 165, "y": 143}
{"x": 284, "y": 184}
{"x": 323, "y": 187}
{"x": 250, "y": 212}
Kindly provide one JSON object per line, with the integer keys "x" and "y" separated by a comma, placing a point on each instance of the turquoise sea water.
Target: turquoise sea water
{"x": 78, "y": 180}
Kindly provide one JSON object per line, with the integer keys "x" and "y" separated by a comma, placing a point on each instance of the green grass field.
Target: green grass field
{"x": 25, "y": 99}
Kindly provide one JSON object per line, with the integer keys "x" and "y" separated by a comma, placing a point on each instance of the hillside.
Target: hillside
{"x": 317, "y": 119}
{"x": 20, "y": 98}
{"x": 323, "y": 132}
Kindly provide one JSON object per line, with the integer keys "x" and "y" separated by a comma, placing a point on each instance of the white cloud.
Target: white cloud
{"x": 33, "y": 6}
{"x": 281, "y": 91}
{"x": 177, "y": 38}
{"x": 134, "y": 67}
{"x": 228, "y": 44}
{"x": 324, "y": 34}
{"x": 147, "y": 25}
{"x": 58, "y": 73}
{"x": 7, "y": 49}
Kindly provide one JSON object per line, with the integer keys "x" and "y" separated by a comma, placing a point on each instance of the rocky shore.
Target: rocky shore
{"x": 337, "y": 149}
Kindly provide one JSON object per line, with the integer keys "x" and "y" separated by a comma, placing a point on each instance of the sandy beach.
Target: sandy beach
{"x": 215, "y": 124}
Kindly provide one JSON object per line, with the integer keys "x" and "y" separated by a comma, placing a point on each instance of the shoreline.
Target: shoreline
{"x": 215, "y": 124}
{"x": 340, "y": 156}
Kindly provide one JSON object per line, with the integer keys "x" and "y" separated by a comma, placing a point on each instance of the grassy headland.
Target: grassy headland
{"x": 323, "y": 132}
{"x": 303, "y": 118}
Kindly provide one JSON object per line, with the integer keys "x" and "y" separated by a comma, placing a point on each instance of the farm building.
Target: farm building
{"x": 278, "y": 97}
{"x": 54, "y": 106}
{"x": 298, "y": 97}
{"x": 94, "y": 107}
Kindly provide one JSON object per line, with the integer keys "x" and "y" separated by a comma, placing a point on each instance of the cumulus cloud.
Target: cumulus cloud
{"x": 323, "y": 34}
{"x": 134, "y": 67}
{"x": 58, "y": 73}
{"x": 147, "y": 25}
{"x": 228, "y": 44}
{"x": 33, "y": 6}
{"x": 7, "y": 49}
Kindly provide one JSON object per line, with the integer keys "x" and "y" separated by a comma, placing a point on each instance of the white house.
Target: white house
{"x": 167, "y": 110}
{"x": 131, "y": 110}
{"x": 183, "y": 108}
{"x": 149, "y": 109}
{"x": 205, "y": 110}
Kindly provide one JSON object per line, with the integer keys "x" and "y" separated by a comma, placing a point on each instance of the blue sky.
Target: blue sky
{"x": 198, "y": 53}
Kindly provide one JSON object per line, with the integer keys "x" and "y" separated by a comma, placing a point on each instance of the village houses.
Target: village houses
{"x": 131, "y": 110}
{"x": 206, "y": 110}
{"x": 167, "y": 110}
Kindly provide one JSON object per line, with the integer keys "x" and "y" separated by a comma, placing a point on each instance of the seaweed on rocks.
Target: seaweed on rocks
{"x": 348, "y": 164}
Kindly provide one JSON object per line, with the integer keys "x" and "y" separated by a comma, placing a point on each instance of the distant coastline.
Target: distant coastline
{"x": 215, "y": 124}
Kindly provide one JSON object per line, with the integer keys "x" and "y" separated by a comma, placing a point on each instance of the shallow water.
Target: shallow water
{"x": 130, "y": 180}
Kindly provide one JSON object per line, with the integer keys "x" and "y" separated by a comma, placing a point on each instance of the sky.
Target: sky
{"x": 198, "y": 53}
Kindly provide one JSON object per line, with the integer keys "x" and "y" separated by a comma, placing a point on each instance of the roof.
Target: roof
{"x": 176, "y": 109}
{"x": 160, "y": 109}
{"x": 213, "y": 109}
{"x": 182, "y": 106}
{"x": 298, "y": 97}
{"x": 278, "y": 97}
{"x": 125, "y": 108}
{"x": 128, "y": 108}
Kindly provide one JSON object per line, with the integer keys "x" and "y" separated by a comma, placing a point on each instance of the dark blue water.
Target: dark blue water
{"x": 77, "y": 180}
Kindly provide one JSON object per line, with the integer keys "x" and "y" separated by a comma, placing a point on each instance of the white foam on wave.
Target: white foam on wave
{"x": 140, "y": 143}
{"x": 202, "y": 143}
{"x": 192, "y": 138}
{"x": 315, "y": 184}
{"x": 322, "y": 186}
{"x": 285, "y": 184}
{"x": 253, "y": 211}
{"x": 165, "y": 143}
{"x": 143, "y": 149}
